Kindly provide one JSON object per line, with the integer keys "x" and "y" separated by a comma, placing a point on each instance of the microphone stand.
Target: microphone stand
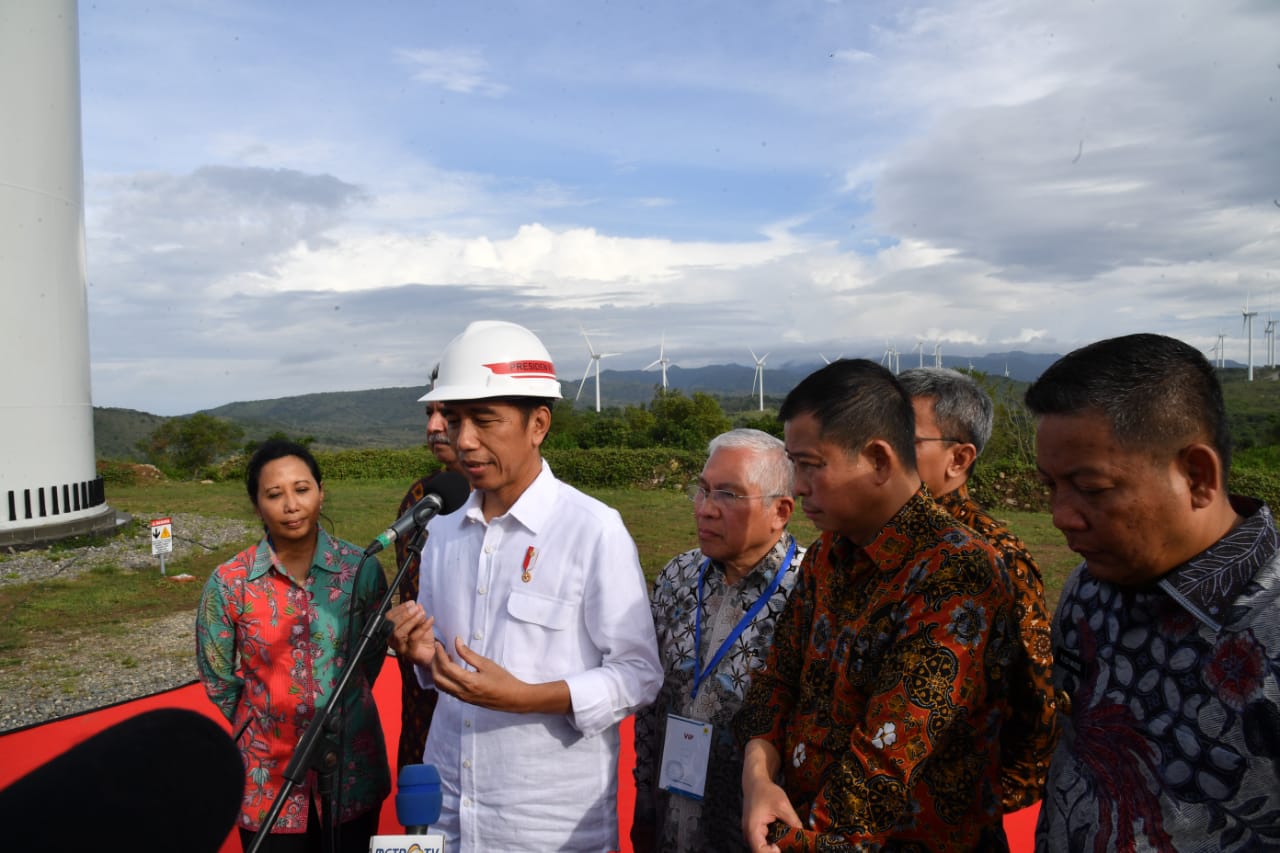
{"x": 323, "y": 728}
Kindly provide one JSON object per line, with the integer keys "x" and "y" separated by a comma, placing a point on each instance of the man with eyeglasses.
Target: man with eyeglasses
{"x": 953, "y": 422}
{"x": 714, "y": 608}
{"x": 880, "y": 705}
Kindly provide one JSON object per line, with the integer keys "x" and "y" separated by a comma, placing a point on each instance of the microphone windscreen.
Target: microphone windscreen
{"x": 453, "y": 490}
{"x": 419, "y": 798}
{"x": 164, "y": 780}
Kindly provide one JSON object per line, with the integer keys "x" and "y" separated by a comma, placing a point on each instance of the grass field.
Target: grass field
{"x": 109, "y": 601}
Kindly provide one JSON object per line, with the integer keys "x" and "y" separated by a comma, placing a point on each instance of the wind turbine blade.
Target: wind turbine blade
{"x": 586, "y": 372}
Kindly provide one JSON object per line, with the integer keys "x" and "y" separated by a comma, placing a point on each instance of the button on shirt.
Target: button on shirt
{"x": 538, "y": 781}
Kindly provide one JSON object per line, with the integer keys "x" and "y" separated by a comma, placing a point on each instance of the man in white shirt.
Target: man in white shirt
{"x": 532, "y": 619}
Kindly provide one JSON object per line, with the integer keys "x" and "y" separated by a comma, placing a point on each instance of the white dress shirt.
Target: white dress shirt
{"x": 538, "y": 781}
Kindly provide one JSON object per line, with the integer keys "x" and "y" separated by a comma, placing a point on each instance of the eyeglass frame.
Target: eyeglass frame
{"x": 697, "y": 494}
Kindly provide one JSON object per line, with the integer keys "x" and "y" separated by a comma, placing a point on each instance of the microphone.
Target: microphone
{"x": 164, "y": 780}
{"x": 418, "y": 803}
{"x": 447, "y": 492}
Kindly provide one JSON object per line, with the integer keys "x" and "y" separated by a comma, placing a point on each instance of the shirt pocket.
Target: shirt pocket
{"x": 538, "y": 640}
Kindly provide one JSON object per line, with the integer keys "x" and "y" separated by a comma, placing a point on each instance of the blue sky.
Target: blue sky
{"x": 284, "y": 198}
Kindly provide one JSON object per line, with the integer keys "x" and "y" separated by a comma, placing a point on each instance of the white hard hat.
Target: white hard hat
{"x": 492, "y": 358}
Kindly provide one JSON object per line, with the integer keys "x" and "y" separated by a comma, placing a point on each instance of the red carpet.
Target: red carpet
{"x": 23, "y": 751}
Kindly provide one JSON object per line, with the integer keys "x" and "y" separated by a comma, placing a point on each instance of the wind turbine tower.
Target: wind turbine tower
{"x": 1247, "y": 327}
{"x": 595, "y": 361}
{"x": 937, "y": 354}
{"x": 49, "y": 485}
{"x": 1270, "y": 334}
{"x": 919, "y": 347}
{"x": 1220, "y": 350}
{"x": 661, "y": 361}
{"x": 758, "y": 379}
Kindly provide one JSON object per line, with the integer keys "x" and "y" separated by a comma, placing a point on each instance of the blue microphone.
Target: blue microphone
{"x": 419, "y": 798}
{"x": 418, "y": 802}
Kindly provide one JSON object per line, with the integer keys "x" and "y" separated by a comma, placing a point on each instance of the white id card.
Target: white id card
{"x": 684, "y": 757}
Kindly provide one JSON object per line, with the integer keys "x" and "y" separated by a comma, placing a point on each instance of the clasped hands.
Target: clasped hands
{"x": 489, "y": 685}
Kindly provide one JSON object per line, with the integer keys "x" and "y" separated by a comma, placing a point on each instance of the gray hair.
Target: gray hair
{"x": 772, "y": 472}
{"x": 963, "y": 410}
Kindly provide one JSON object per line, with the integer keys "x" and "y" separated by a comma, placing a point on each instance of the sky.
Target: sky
{"x": 285, "y": 198}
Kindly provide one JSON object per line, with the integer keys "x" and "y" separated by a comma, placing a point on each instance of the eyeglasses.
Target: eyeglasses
{"x": 723, "y": 498}
{"x": 920, "y": 438}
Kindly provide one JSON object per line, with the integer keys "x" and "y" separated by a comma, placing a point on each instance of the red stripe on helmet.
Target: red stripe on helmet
{"x": 524, "y": 369}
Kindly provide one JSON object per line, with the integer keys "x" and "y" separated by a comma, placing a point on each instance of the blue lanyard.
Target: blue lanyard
{"x": 699, "y": 675}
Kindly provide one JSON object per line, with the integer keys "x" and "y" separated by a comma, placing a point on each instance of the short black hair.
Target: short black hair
{"x": 1157, "y": 392}
{"x": 271, "y": 450}
{"x": 854, "y": 401}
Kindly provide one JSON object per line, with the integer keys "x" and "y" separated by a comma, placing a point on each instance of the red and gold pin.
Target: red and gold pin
{"x": 526, "y": 569}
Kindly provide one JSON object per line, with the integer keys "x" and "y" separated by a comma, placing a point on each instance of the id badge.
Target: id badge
{"x": 685, "y": 753}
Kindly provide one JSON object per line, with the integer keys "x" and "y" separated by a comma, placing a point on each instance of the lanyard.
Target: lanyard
{"x": 699, "y": 675}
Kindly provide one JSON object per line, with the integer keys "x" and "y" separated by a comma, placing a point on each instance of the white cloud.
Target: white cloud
{"x": 461, "y": 70}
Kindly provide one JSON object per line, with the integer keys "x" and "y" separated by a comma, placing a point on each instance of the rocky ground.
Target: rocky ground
{"x": 79, "y": 671}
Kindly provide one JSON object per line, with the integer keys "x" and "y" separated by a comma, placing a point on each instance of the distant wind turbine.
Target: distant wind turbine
{"x": 595, "y": 361}
{"x": 1221, "y": 349}
{"x": 829, "y": 360}
{"x": 758, "y": 379}
{"x": 937, "y": 354}
{"x": 661, "y": 361}
{"x": 1270, "y": 334}
{"x": 1247, "y": 327}
{"x": 919, "y": 347}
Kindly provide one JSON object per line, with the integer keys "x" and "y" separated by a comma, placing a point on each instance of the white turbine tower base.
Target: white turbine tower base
{"x": 49, "y": 485}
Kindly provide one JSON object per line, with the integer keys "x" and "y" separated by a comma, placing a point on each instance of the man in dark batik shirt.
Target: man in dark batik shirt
{"x": 416, "y": 702}
{"x": 953, "y": 422}
{"x": 1167, "y": 637}
{"x": 881, "y": 702}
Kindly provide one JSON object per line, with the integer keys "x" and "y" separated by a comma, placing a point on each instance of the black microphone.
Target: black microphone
{"x": 446, "y": 492}
{"x": 164, "y": 780}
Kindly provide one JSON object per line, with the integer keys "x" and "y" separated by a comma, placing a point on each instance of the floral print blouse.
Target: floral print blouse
{"x": 270, "y": 652}
{"x": 1027, "y": 740}
{"x": 886, "y": 689}
{"x": 1169, "y": 696}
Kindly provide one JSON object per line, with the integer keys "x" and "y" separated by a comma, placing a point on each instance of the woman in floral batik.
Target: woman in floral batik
{"x": 276, "y": 627}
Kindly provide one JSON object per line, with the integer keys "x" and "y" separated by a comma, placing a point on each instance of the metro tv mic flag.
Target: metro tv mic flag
{"x": 445, "y": 493}
{"x": 164, "y": 780}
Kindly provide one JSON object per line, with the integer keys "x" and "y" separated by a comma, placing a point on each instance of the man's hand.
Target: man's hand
{"x": 490, "y": 686}
{"x": 763, "y": 800}
{"x": 412, "y": 637}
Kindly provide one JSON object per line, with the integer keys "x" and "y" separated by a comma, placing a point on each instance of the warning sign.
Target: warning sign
{"x": 161, "y": 536}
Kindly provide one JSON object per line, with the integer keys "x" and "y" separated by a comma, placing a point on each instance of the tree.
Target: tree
{"x": 687, "y": 423}
{"x": 186, "y": 445}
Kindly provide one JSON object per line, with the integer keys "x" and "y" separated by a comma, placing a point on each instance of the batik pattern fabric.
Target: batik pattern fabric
{"x": 680, "y": 824}
{"x": 1028, "y": 739}
{"x": 271, "y": 651}
{"x": 416, "y": 702}
{"x": 886, "y": 688}
{"x": 1169, "y": 696}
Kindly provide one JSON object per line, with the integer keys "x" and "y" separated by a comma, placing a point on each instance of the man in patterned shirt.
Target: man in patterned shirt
{"x": 714, "y": 609}
{"x": 417, "y": 703}
{"x": 881, "y": 702}
{"x": 953, "y": 422}
{"x": 1166, "y": 640}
